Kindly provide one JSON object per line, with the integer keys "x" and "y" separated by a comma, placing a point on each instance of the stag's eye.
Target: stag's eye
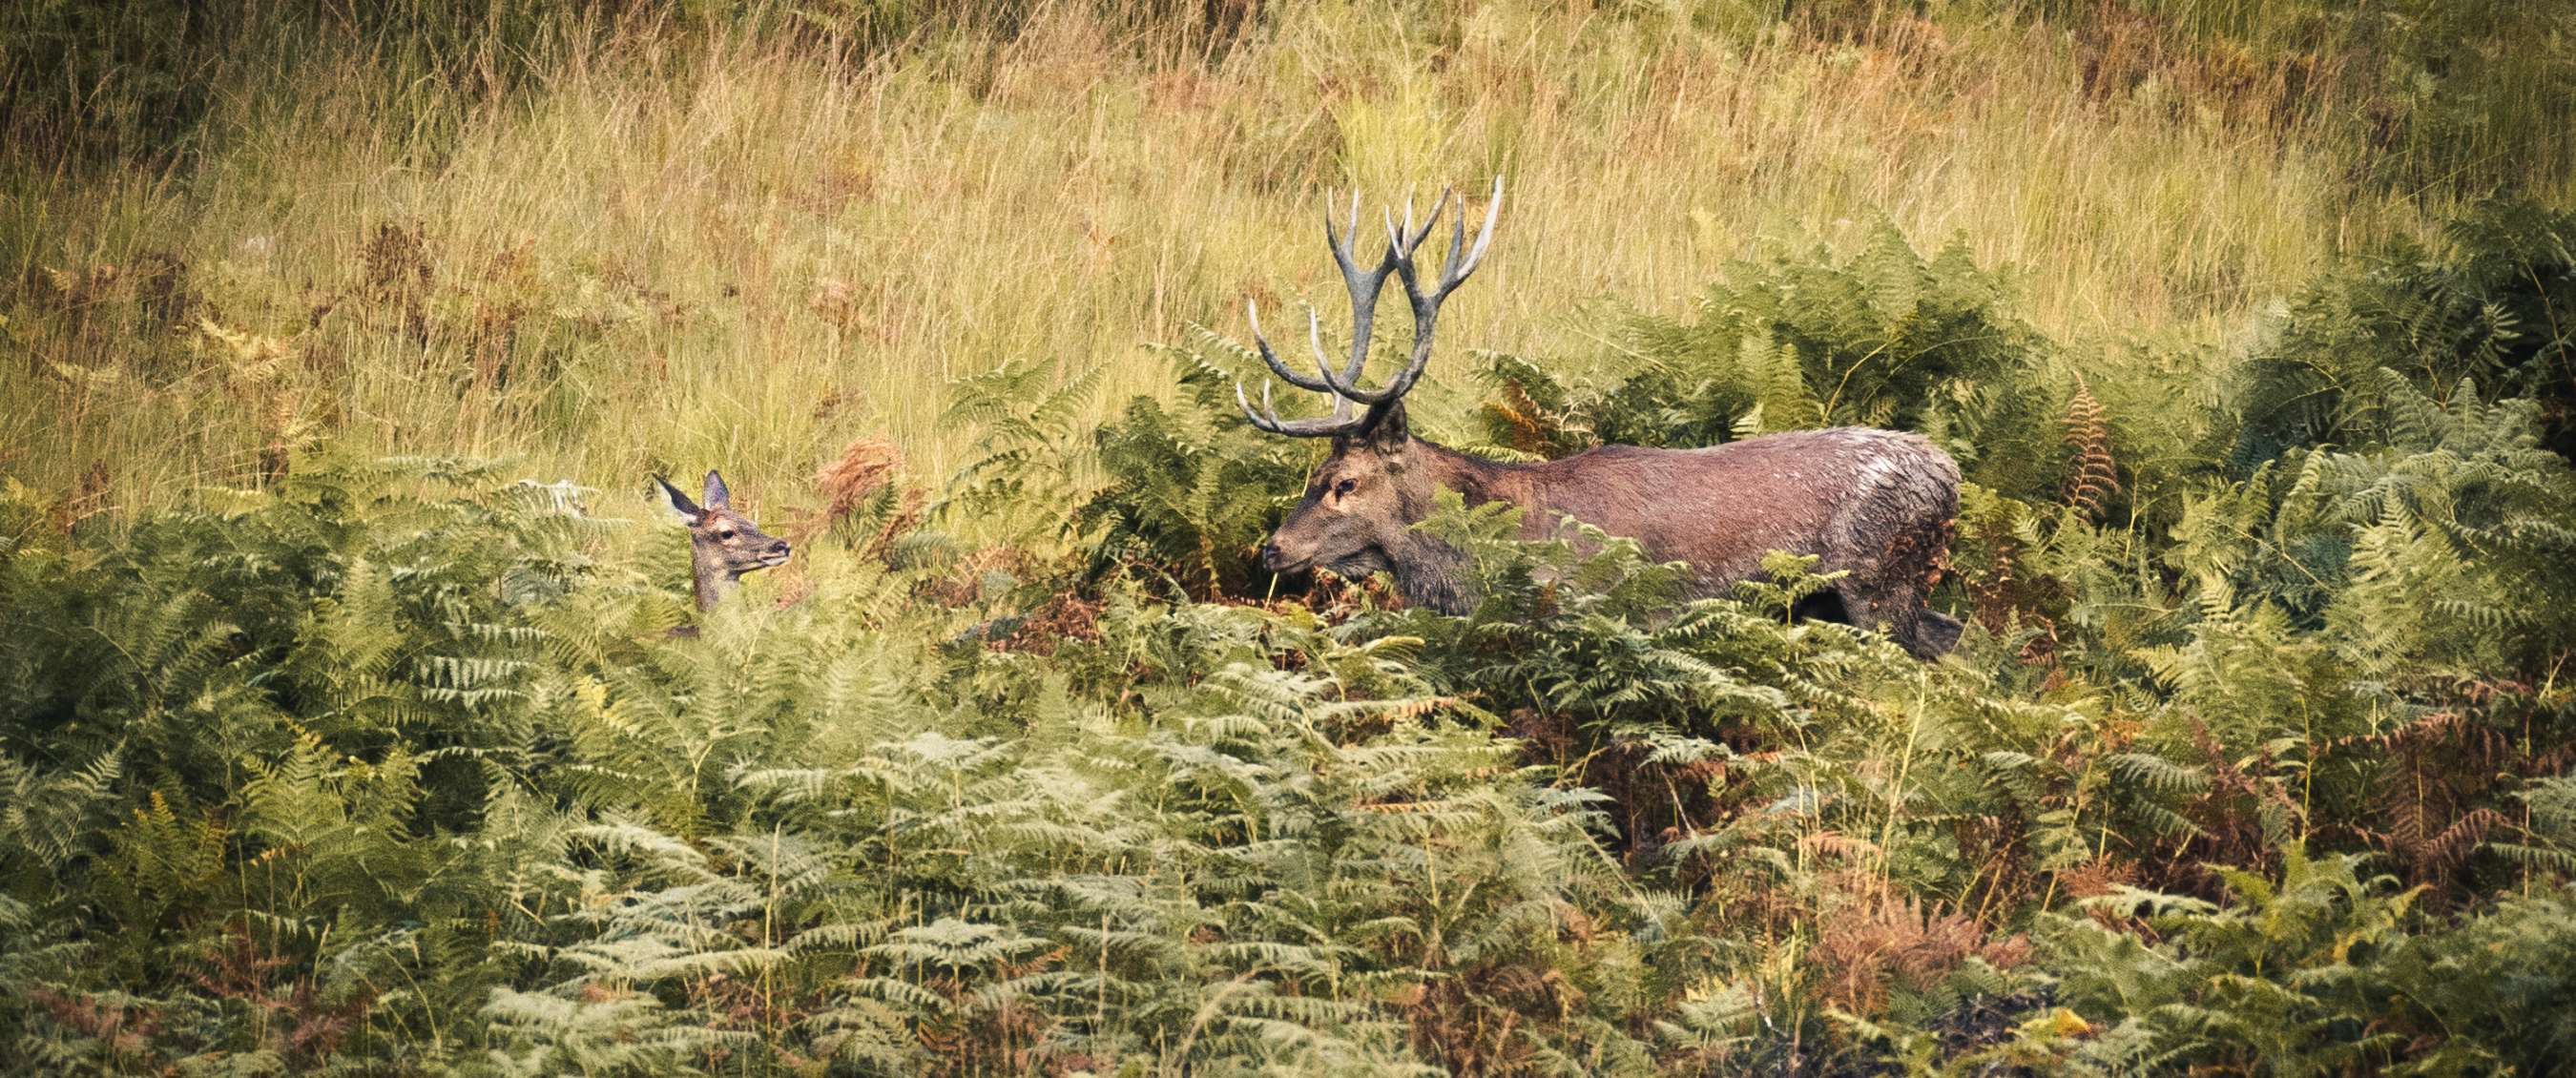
{"x": 725, "y": 534}
{"x": 1345, "y": 487}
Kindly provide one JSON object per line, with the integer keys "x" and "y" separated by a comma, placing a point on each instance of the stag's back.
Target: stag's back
{"x": 1857, "y": 497}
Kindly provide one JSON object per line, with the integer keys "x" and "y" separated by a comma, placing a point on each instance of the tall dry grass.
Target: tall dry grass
{"x": 678, "y": 245}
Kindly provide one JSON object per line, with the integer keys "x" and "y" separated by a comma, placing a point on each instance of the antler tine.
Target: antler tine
{"x": 1402, "y": 242}
{"x": 1252, "y": 311}
{"x": 1458, "y": 269}
{"x": 1426, "y": 308}
{"x": 1315, "y": 340}
{"x": 1343, "y": 253}
{"x": 1365, "y": 286}
{"x": 1268, "y": 417}
{"x": 1271, "y": 423}
{"x": 1457, "y": 242}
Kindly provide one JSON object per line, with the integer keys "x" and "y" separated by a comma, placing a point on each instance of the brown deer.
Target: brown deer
{"x": 723, "y": 544}
{"x": 1874, "y": 504}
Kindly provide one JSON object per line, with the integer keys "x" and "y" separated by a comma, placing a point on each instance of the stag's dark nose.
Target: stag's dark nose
{"x": 1271, "y": 559}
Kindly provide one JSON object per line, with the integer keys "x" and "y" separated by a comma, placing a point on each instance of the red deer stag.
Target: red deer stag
{"x": 1876, "y": 504}
{"x": 723, "y": 544}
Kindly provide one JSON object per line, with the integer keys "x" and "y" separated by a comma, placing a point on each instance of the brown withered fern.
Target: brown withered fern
{"x": 91, "y": 496}
{"x": 2095, "y": 476}
{"x": 1526, "y": 425}
{"x": 1991, "y": 586}
{"x": 298, "y": 1025}
{"x": 1993, "y": 565}
{"x": 863, "y": 478}
{"x": 125, "y": 1028}
{"x": 398, "y": 266}
{"x": 2439, "y": 781}
{"x": 283, "y": 433}
{"x": 864, "y": 467}
{"x": 988, "y": 1029}
{"x": 1474, "y": 1021}
{"x": 855, "y": 484}
{"x": 2230, "y": 818}
{"x": 1883, "y": 942}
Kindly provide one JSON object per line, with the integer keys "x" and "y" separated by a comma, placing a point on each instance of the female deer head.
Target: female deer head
{"x": 723, "y": 544}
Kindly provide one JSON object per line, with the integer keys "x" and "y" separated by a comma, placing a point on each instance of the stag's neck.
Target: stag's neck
{"x": 1431, "y": 573}
{"x": 1475, "y": 478}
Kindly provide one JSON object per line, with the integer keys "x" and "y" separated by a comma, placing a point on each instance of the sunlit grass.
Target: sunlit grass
{"x": 678, "y": 250}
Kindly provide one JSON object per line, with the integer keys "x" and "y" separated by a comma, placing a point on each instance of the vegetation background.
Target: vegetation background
{"x": 325, "y": 745}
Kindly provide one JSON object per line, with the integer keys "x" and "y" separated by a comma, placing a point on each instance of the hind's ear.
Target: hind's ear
{"x": 680, "y": 505}
{"x": 717, "y": 496}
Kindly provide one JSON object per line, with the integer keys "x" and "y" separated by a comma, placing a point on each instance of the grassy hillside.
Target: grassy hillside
{"x": 328, "y": 745}
{"x": 630, "y": 238}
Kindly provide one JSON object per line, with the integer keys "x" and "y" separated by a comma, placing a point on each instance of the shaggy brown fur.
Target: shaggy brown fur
{"x": 1871, "y": 503}
{"x": 1874, "y": 503}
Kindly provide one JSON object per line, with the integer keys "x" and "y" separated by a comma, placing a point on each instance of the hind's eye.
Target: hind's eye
{"x": 726, "y": 534}
{"x": 1345, "y": 487}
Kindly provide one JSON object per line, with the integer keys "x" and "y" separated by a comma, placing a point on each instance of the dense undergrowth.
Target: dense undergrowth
{"x": 2245, "y": 766}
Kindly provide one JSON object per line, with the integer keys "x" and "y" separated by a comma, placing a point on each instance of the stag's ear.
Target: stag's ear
{"x": 681, "y": 506}
{"x": 717, "y": 496}
{"x": 1382, "y": 430}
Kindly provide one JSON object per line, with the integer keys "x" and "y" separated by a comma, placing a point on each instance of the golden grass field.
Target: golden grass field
{"x": 681, "y": 245}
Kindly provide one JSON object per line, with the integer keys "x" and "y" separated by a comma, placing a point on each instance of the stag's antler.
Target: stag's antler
{"x": 1365, "y": 285}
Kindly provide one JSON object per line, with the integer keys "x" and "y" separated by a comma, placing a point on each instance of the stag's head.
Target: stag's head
{"x": 1363, "y": 500}
{"x": 723, "y": 544}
